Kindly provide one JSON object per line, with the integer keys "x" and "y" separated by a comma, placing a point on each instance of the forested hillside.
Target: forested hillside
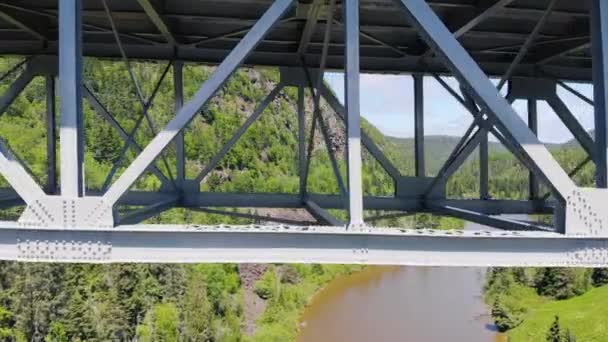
{"x": 57, "y": 302}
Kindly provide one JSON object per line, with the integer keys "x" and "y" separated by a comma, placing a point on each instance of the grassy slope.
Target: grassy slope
{"x": 585, "y": 316}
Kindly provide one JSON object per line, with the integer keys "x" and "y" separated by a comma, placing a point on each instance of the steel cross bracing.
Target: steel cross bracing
{"x": 63, "y": 221}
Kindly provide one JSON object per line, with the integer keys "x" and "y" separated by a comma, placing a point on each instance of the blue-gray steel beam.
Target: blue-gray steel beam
{"x": 269, "y": 200}
{"x": 576, "y": 93}
{"x": 309, "y": 28}
{"x": 51, "y": 138}
{"x": 476, "y": 20}
{"x": 14, "y": 68}
{"x": 573, "y": 172}
{"x": 321, "y": 214}
{"x": 178, "y": 90}
{"x": 54, "y": 16}
{"x": 101, "y": 110}
{"x": 353, "y": 115}
{"x": 158, "y": 20}
{"x": 17, "y": 176}
{"x": 239, "y": 133}
{"x": 155, "y": 209}
{"x": 15, "y": 89}
{"x": 257, "y": 218}
{"x": 11, "y": 17}
{"x": 369, "y": 144}
{"x": 460, "y": 63}
{"x": 533, "y": 186}
{"x": 546, "y": 59}
{"x": 490, "y": 221}
{"x": 291, "y": 244}
{"x": 527, "y": 44}
{"x": 330, "y": 150}
{"x": 599, "y": 38}
{"x": 302, "y": 140}
{"x": 575, "y": 127}
{"x": 146, "y": 104}
{"x": 484, "y": 191}
{"x": 71, "y": 130}
{"x": 207, "y": 90}
{"x": 484, "y": 15}
{"x": 419, "y": 124}
{"x": 440, "y": 177}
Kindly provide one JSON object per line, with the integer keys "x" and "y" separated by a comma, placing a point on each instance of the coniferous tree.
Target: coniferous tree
{"x": 555, "y": 334}
{"x": 599, "y": 276}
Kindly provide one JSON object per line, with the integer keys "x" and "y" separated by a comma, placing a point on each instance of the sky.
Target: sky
{"x": 387, "y": 101}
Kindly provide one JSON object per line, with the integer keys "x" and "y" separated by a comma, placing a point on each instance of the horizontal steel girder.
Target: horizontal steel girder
{"x": 271, "y": 244}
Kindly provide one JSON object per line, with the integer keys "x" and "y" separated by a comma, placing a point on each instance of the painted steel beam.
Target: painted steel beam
{"x": 239, "y": 133}
{"x": 599, "y": 37}
{"x": 480, "y": 17}
{"x": 575, "y": 127}
{"x": 561, "y": 52}
{"x": 17, "y": 176}
{"x": 527, "y": 44}
{"x": 154, "y": 13}
{"x": 353, "y": 115}
{"x": 576, "y": 93}
{"x": 155, "y": 209}
{"x": 490, "y": 221}
{"x": 533, "y": 185}
{"x": 302, "y": 168}
{"x": 497, "y": 207}
{"x": 207, "y": 90}
{"x": 15, "y": 89}
{"x": 330, "y": 151}
{"x": 484, "y": 169}
{"x": 419, "y": 125}
{"x": 309, "y": 28}
{"x": 322, "y": 215}
{"x": 71, "y": 129}
{"x": 180, "y": 150}
{"x": 102, "y": 111}
{"x": 469, "y": 74}
{"x": 369, "y": 144}
{"x": 14, "y": 18}
{"x": 51, "y": 138}
{"x": 292, "y": 244}
{"x": 257, "y": 218}
{"x": 441, "y": 174}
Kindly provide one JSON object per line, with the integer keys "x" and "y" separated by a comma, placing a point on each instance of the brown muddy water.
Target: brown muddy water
{"x": 417, "y": 304}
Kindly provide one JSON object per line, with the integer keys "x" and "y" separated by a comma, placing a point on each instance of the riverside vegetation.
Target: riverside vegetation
{"x": 154, "y": 302}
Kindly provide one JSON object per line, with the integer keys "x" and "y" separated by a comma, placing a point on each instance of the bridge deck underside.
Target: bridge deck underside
{"x": 532, "y": 45}
{"x": 206, "y": 31}
{"x": 297, "y": 244}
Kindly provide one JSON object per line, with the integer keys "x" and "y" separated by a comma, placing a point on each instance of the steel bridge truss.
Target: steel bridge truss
{"x": 65, "y": 222}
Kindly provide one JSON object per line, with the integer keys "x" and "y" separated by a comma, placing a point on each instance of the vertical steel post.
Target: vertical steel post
{"x": 301, "y": 141}
{"x": 599, "y": 39}
{"x": 353, "y": 128}
{"x": 419, "y": 124}
{"x": 533, "y": 124}
{"x": 484, "y": 192}
{"x": 178, "y": 88}
{"x": 51, "y": 139}
{"x": 71, "y": 129}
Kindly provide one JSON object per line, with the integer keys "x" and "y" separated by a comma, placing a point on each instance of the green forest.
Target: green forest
{"x": 59, "y": 302}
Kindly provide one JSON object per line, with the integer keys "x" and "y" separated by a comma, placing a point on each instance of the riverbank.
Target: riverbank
{"x": 525, "y": 302}
{"x": 585, "y": 316}
{"x": 287, "y": 289}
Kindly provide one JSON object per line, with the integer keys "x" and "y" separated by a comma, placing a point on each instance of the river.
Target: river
{"x": 419, "y": 304}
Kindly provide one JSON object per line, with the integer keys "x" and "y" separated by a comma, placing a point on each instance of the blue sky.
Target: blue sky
{"x": 387, "y": 101}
